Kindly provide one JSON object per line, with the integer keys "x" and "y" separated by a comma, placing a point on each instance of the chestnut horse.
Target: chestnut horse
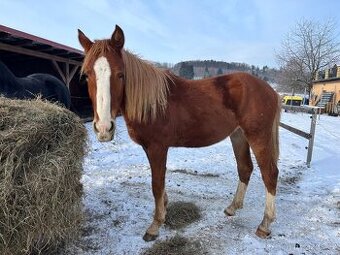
{"x": 162, "y": 110}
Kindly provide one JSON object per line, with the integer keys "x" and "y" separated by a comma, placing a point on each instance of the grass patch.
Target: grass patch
{"x": 176, "y": 245}
{"x": 181, "y": 214}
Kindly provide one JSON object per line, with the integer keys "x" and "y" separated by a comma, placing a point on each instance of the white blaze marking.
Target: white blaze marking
{"x": 103, "y": 72}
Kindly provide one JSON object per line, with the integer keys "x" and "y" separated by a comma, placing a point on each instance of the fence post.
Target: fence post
{"x": 311, "y": 139}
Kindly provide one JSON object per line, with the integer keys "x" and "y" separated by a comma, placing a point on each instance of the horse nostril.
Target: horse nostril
{"x": 112, "y": 126}
{"x": 95, "y": 127}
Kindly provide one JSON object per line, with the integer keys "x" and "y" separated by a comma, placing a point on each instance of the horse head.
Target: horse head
{"x": 103, "y": 67}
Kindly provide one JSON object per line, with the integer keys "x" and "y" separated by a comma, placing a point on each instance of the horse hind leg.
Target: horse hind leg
{"x": 263, "y": 229}
{"x": 267, "y": 162}
{"x": 244, "y": 168}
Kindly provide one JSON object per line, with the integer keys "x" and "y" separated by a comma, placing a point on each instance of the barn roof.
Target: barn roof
{"x": 25, "y": 54}
{"x": 17, "y": 42}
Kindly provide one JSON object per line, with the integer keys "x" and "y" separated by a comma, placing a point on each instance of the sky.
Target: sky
{"x": 247, "y": 31}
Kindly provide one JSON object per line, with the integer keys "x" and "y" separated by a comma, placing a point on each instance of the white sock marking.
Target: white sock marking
{"x": 240, "y": 192}
{"x": 270, "y": 206}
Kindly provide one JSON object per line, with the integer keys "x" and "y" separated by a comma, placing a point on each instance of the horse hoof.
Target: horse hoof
{"x": 148, "y": 237}
{"x": 229, "y": 212}
{"x": 262, "y": 233}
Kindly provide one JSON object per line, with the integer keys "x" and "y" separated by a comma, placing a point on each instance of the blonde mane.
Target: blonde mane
{"x": 146, "y": 89}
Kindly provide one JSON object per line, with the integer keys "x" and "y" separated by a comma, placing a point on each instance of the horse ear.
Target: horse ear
{"x": 117, "y": 38}
{"x": 85, "y": 42}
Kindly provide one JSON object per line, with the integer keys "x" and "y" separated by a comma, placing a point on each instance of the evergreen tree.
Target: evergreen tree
{"x": 206, "y": 72}
{"x": 186, "y": 71}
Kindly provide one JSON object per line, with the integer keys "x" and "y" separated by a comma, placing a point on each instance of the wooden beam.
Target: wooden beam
{"x": 311, "y": 140}
{"x": 21, "y": 50}
{"x": 306, "y": 109}
{"x": 67, "y": 74}
{"x": 61, "y": 73}
{"x": 296, "y": 131}
{"x": 73, "y": 72}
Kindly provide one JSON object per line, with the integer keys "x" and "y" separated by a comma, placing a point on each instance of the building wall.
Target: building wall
{"x": 325, "y": 86}
{"x": 327, "y": 83}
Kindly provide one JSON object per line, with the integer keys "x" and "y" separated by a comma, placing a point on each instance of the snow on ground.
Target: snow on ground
{"x": 118, "y": 201}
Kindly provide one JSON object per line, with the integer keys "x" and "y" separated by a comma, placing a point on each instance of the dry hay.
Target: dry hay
{"x": 176, "y": 245}
{"x": 180, "y": 214}
{"x": 41, "y": 151}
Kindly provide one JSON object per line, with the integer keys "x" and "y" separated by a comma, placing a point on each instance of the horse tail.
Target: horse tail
{"x": 275, "y": 131}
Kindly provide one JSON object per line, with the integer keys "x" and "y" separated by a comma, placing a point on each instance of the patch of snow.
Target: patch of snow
{"x": 118, "y": 201}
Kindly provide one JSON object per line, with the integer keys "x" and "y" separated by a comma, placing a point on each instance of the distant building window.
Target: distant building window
{"x": 322, "y": 75}
{"x": 332, "y": 71}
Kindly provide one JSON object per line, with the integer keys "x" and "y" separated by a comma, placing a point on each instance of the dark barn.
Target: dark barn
{"x": 25, "y": 54}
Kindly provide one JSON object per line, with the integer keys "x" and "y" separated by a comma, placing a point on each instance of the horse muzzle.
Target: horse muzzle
{"x": 104, "y": 131}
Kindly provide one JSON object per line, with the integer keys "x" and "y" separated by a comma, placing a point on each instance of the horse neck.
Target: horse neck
{"x": 146, "y": 89}
{"x": 7, "y": 78}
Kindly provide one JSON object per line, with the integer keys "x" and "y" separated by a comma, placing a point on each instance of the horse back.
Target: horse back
{"x": 49, "y": 87}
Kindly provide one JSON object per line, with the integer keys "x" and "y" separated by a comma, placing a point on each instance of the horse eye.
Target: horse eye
{"x": 121, "y": 76}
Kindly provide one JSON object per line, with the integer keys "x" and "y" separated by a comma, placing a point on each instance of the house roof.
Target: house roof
{"x": 322, "y": 81}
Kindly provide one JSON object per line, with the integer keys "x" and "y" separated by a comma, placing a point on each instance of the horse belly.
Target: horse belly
{"x": 207, "y": 131}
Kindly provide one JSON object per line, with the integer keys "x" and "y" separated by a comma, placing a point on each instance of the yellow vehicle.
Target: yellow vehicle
{"x": 292, "y": 100}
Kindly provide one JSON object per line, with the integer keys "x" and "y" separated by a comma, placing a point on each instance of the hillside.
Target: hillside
{"x": 207, "y": 68}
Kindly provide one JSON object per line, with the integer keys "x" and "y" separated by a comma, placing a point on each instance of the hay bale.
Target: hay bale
{"x": 177, "y": 245}
{"x": 41, "y": 151}
{"x": 181, "y": 214}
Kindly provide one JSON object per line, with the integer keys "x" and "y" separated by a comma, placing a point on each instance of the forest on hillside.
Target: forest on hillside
{"x": 198, "y": 69}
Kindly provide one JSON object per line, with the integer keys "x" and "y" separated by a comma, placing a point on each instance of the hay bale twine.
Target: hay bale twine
{"x": 42, "y": 147}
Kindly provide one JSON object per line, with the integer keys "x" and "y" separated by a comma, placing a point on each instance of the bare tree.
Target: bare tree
{"x": 308, "y": 48}
{"x": 292, "y": 77}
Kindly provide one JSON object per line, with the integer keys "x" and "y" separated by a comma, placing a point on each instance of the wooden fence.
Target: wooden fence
{"x": 315, "y": 111}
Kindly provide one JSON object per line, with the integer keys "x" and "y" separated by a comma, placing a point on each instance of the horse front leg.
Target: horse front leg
{"x": 157, "y": 158}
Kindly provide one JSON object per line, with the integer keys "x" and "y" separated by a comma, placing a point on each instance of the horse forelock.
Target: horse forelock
{"x": 100, "y": 47}
{"x": 146, "y": 89}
